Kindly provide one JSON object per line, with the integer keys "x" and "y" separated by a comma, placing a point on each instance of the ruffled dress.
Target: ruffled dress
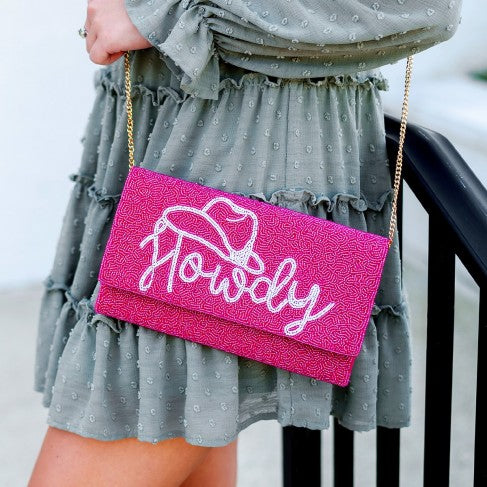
{"x": 278, "y": 101}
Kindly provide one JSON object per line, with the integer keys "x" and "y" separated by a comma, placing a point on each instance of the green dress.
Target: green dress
{"x": 278, "y": 101}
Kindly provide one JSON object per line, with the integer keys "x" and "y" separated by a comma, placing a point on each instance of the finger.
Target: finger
{"x": 99, "y": 54}
{"x": 114, "y": 57}
{"x": 90, "y": 39}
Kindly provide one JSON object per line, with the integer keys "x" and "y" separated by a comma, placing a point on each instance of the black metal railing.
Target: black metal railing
{"x": 456, "y": 203}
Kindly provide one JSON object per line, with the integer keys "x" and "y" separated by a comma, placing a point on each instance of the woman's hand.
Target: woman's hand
{"x": 110, "y": 31}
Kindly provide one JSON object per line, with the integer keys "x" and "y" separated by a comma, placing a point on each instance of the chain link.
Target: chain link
{"x": 402, "y": 134}
{"x": 128, "y": 102}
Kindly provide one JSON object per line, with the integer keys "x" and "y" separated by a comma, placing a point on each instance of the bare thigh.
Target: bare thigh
{"x": 218, "y": 469}
{"x": 69, "y": 459}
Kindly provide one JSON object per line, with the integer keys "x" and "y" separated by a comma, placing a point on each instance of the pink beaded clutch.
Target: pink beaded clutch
{"x": 244, "y": 276}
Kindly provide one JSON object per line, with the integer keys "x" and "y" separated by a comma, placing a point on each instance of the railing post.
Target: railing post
{"x": 342, "y": 456}
{"x": 387, "y": 457}
{"x": 301, "y": 457}
{"x": 388, "y": 444}
{"x": 439, "y": 353}
{"x": 480, "y": 465}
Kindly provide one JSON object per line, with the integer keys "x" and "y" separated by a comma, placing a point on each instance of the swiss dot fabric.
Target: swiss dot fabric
{"x": 278, "y": 101}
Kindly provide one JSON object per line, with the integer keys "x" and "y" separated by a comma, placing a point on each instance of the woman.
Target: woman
{"x": 278, "y": 101}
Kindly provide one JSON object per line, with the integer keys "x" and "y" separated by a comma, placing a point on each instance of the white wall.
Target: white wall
{"x": 46, "y": 93}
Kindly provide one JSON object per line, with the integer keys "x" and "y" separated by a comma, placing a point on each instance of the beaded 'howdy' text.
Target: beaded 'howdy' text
{"x": 247, "y": 262}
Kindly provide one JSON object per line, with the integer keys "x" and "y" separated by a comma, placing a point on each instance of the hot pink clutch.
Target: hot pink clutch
{"x": 244, "y": 276}
{"x": 241, "y": 275}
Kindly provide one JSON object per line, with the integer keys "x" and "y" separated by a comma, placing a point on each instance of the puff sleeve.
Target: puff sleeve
{"x": 289, "y": 38}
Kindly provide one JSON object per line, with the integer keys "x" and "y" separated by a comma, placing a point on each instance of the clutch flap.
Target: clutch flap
{"x": 245, "y": 261}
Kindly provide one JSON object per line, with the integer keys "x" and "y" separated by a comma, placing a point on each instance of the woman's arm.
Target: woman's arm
{"x": 345, "y": 36}
{"x": 295, "y": 39}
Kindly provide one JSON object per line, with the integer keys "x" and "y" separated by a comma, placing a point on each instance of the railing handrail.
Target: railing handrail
{"x": 445, "y": 184}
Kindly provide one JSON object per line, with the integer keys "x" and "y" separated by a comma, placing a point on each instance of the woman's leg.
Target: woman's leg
{"x": 69, "y": 459}
{"x": 218, "y": 469}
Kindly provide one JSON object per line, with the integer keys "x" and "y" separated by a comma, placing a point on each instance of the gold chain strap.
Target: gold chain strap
{"x": 128, "y": 103}
{"x": 402, "y": 134}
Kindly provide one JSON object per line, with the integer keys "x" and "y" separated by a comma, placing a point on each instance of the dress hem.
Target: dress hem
{"x": 269, "y": 415}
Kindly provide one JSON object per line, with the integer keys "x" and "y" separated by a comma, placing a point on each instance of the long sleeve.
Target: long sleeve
{"x": 289, "y": 38}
